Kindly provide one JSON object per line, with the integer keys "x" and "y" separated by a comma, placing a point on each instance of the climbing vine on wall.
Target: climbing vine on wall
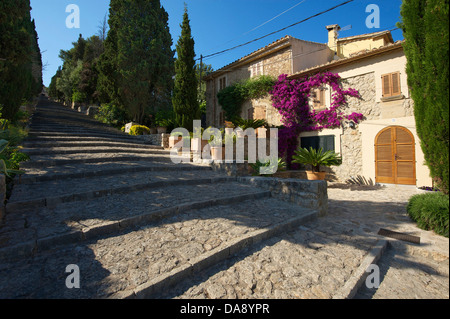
{"x": 232, "y": 97}
{"x": 290, "y": 98}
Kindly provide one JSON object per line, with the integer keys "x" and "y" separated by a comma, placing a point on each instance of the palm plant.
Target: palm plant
{"x": 316, "y": 158}
{"x": 245, "y": 124}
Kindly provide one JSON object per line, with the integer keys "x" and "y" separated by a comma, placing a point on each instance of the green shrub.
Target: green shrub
{"x": 112, "y": 115}
{"x": 430, "y": 211}
{"x": 139, "y": 130}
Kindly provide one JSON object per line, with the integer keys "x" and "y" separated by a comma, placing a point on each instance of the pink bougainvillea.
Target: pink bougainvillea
{"x": 290, "y": 98}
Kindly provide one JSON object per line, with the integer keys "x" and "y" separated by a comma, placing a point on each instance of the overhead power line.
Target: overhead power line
{"x": 274, "y": 32}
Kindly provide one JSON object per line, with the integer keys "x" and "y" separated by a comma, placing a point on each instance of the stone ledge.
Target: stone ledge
{"x": 307, "y": 194}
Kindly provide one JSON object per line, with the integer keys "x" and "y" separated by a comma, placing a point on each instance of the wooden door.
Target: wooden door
{"x": 395, "y": 160}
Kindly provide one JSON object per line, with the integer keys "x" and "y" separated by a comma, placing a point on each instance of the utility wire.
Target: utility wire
{"x": 296, "y": 55}
{"x": 262, "y": 24}
{"x": 274, "y": 32}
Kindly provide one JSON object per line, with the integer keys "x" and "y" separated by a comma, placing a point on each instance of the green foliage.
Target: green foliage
{"x": 20, "y": 58}
{"x": 245, "y": 124}
{"x": 138, "y": 57}
{"x": 232, "y": 97}
{"x": 430, "y": 211}
{"x": 316, "y": 158}
{"x": 10, "y": 155}
{"x": 257, "y": 166}
{"x": 112, "y": 114}
{"x": 139, "y": 130}
{"x": 425, "y": 27}
{"x": 185, "y": 95}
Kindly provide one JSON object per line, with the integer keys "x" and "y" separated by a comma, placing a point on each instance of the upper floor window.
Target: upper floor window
{"x": 391, "y": 84}
{"x": 256, "y": 69}
{"x": 318, "y": 98}
{"x": 222, "y": 83}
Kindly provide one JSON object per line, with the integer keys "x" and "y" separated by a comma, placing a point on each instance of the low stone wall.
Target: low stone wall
{"x": 156, "y": 139}
{"x": 307, "y": 194}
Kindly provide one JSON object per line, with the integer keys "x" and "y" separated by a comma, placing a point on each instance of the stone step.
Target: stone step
{"x": 88, "y": 170}
{"x": 90, "y": 143}
{"x": 427, "y": 278}
{"x": 299, "y": 263}
{"x": 41, "y": 161}
{"x": 49, "y": 194}
{"x": 75, "y": 133}
{"x": 92, "y": 150}
{"x": 72, "y": 221}
{"x": 83, "y": 138}
{"x": 144, "y": 261}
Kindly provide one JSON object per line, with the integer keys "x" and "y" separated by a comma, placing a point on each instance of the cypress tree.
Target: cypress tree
{"x": 136, "y": 68}
{"x": 425, "y": 25}
{"x": 185, "y": 99}
{"x": 18, "y": 52}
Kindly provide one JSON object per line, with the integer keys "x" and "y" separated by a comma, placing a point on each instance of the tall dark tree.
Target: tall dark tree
{"x": 137, "y": 66}
{"x": 19, "y": 53}
{"x": 425, "y": 25}
{"x": 185, "y": 93}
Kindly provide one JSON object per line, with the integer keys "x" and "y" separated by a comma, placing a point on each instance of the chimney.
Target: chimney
{"x": 333, "y": 37}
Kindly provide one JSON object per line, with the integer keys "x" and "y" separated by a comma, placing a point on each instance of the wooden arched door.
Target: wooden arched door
{"x": 395, "y": 158}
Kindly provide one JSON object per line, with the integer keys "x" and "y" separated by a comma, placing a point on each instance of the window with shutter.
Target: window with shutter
{"x": 318, "y": 99}
{"x": 391, "y": 84}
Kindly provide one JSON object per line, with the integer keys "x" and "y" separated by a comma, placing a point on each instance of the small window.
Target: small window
{"x": 256, "y": 69}
{"x": 222, "y": 83}
{"x": 325, "y": 142}
{"x": 391, "y": 84}
{"x": 318, "y": 99}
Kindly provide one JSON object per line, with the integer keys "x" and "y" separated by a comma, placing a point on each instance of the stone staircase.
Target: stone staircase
{"x": 119, "y": 209}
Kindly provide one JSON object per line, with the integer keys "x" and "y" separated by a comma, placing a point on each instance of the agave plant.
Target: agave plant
{"x": 316, "y": 158}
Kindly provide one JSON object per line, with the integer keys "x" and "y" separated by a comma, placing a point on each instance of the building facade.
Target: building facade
{"x": 384, "y": 147}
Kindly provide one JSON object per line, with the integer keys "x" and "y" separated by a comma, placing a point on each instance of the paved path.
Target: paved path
{"x": 137, "y": 225}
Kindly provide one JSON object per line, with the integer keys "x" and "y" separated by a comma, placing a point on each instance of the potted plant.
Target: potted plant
{"x": 217, "y": 147}
{"x": 316, "y": 158}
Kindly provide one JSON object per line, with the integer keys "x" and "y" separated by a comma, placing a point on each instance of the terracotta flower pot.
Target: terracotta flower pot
{"x": 215, "y": 153}
{"x": 316, "y": 176}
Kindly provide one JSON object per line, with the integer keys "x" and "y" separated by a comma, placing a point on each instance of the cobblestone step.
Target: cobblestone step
{"x": 145, "y": 261}
{"x": 89, "y": 170}
{"x": 85, "y": 138}
{"x": 59, "y": 191}
{"x": 80, "y": 158}
{"x": 404, "y": 276}
{"x": 92, "y": 150}
{"x": 89, "y": 143}
{"x": 50, "y": 133}
{"x": 298, "y": 264}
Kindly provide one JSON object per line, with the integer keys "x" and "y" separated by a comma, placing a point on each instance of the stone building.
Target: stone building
{"x": 384, "y": 147}
{"x": 287, "y": 55}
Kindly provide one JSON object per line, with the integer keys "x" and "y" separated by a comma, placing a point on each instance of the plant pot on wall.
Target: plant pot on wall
{"x": 161, "y": 129}
{"x": 316, "y": 176}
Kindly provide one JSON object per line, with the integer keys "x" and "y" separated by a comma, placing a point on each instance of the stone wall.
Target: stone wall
{"x": 307, "y": 194}
{"x": 351, "y": 140}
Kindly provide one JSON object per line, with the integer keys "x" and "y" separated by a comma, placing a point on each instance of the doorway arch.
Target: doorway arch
{"x": 395, "y": 158}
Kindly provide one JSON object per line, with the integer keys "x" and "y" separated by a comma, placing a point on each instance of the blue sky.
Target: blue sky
{"x": 216, "y": 24}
